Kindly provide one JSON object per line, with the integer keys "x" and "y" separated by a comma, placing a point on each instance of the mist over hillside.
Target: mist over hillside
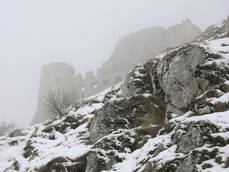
{"x": 80, "y": 33}
{"x": 130, "y": 50}
{"x": 114, "y": 86}
{"x": 170, "y": 114}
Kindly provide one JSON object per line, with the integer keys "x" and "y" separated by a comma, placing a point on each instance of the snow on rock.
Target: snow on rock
{"x": 163, "y": 152}
{"x": 65, "y": 140}
{"x": 170, "y": 114}
{"x": 43, "y": 143}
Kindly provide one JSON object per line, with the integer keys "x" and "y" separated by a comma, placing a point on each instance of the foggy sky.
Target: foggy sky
{"x": 80, "y": 32}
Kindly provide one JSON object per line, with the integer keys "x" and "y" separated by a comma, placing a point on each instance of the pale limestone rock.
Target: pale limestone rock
{"x": 177, "y": 79}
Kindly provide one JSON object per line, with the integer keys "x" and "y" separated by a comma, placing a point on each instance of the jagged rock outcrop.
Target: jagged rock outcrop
{"x": 178, "y": 78}
{"x": 170, "y": 114}
{"x": 175, "y": 73}
{"x": 215, "y": 31}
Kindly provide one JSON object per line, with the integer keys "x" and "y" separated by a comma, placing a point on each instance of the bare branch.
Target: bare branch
{"x": 57, "y": 100}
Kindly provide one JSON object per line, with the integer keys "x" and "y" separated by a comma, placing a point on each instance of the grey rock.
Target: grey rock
{"x": 92, "y": 165}
{"x": 96, "y": 163}
{"x": 190, "y": 140}
{"x": 177, "y": 79}
{"x": 215, "y": 31}
{"x": 138, "y": 81}
{"x": 156, "y": 88}
{"x": 203, "y": 110}
{"x": 203, "y": 83}
{"x": 170, "y": 109}
{"x": 127, "y": 113}
{"x": 187, "y": 165}
{"x": 97, "y": 129}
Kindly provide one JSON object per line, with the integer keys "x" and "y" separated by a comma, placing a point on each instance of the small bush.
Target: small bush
{"x": 16, "y": 133}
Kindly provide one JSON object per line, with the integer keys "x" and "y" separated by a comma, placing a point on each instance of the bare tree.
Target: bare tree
{"x": 6, "y": 128}
{"x": 57, "y": 100}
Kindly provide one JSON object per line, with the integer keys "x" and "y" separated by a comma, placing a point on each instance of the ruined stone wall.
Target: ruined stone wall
{"x": 129, "y": 50}
{"x": 132, "y": 49}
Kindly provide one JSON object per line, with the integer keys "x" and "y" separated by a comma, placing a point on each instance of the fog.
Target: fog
{"x": 79, "y": 32}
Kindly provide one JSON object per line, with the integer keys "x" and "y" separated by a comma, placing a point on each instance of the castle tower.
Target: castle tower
{"x": 55, "y": 76}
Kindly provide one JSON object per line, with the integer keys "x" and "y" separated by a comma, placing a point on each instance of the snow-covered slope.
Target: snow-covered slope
{"x": 170, "y": 114}
{"x": 39, "y": 144}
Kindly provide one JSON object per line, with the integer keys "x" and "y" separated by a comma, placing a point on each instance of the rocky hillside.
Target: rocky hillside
{"x": 171, "y": 114}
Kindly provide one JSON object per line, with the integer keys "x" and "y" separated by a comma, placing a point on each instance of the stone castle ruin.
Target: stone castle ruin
{"x": 54, "y": 76}
{"x": 129, "y": 50}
